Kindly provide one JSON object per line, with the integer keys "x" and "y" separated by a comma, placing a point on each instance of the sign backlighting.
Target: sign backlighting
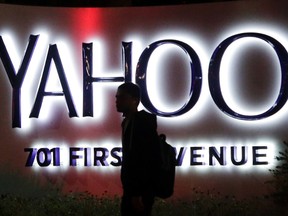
{"x": 216, "y": 79}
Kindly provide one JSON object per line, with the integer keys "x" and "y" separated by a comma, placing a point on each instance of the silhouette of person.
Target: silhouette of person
{"x": 139, "y": 129}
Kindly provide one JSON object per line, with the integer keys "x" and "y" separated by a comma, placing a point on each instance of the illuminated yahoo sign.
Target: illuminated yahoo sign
{"x": 16, "y": 78}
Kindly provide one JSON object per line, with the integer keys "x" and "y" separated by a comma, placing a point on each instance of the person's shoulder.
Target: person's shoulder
{"x": 145, "y": 114}
{"x": 146, "y": 119}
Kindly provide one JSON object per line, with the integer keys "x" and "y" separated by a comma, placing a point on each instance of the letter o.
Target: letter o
{"x": 214, "y": 80}
{"x": 43, "y": 157}
{"x": 196, "y": 74}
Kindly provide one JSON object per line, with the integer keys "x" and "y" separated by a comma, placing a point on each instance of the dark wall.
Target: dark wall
{"x": 106, "y": 3}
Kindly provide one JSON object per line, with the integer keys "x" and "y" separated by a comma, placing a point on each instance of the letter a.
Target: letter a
{"x": 53, "y": 54}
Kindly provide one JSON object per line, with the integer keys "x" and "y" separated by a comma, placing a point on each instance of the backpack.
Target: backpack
{"x": 165, "y": 171}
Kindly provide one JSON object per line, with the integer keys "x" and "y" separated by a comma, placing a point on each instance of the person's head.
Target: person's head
{"x": 128, "y": 98}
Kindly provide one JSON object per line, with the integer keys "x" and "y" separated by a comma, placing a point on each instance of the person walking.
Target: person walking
{"x": 139, "y": 132}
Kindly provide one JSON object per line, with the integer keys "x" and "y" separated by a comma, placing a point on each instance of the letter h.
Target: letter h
{"x": 87, "y": 57}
